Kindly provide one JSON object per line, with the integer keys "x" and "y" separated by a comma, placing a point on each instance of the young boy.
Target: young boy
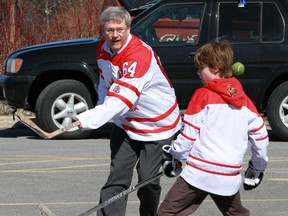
{"x": 218, "y": 123}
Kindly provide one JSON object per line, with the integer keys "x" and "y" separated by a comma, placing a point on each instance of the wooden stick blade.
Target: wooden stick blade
{"x": 30, "y": 124}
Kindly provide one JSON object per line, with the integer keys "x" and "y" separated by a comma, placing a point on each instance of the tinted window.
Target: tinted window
{"x": 273, "y": 25}
{"x": 249, "y": 24}
{"x": 179, "y": 24}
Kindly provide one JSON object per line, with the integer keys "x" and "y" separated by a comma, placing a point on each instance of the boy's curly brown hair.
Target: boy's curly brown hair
{"x": 217, "y": 55}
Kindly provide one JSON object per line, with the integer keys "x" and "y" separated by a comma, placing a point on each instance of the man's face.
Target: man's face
{"x": 115, "y": 34}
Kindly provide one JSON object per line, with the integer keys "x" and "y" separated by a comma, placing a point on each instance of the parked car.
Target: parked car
{"x": 57, "y": 80}
{"x": 134, "y": 7}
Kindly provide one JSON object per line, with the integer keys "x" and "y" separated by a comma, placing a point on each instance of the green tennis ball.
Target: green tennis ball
{"x": 238, "y": 68}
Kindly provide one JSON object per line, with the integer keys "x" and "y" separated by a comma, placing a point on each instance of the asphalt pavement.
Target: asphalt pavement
{"x": 67, "y": 175}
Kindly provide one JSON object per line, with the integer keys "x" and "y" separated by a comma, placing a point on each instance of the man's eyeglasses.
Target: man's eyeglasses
{"x": 111, "y": 31}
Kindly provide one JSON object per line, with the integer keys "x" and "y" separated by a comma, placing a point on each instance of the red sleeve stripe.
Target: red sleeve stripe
{"x": 127, "y": 102}
{"x": 187, "y": 137}
{"x": 262, "y": 138}
{"x": 148, "y": 131}
{"x": 213, "y": 172}
{"x": 191, "y": 125}
{"x": 132, "y": 88}
{"x": 257, "y": 129}
{"x": 214, "y": 163}
{"x": 158, "y": 118}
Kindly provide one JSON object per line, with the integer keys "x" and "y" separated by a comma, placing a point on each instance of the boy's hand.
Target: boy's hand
{"x": 253, "y": 177}
{"x": 171, "y": 166}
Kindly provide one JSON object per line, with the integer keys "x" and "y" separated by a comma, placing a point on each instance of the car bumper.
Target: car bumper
{"x": 14, "y": 90}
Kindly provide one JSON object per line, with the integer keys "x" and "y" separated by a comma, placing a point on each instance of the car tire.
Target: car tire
{"x": 277, "y": 111}
{"x": 59, "y": 103}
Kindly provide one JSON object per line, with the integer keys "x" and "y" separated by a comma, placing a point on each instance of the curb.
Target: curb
{"x": 8, "y": 122}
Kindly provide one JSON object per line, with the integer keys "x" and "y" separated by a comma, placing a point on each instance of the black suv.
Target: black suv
{"x": 57, "y": 80}
{"x": 134, "y": 7}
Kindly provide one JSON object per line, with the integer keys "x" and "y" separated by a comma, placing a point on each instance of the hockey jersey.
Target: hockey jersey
{"x": 217, "y": 125}
{"x": 135, "y": 92}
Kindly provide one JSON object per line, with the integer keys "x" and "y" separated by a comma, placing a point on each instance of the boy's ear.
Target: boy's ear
{"x": 215, "y": 70}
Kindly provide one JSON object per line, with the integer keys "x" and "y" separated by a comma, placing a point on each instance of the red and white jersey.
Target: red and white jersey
{"x": 135, "y": 92}
{"x": 217, "y": 125}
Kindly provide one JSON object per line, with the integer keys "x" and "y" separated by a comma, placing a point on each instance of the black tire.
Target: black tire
{"x": 58, "y": 103}
{"x": 277, "y": 111}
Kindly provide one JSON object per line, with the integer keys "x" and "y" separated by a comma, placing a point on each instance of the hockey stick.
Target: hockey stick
{"x": 45, "y": 135}
{"x": 46, "y": 212}
{"x": 123, "y": 193}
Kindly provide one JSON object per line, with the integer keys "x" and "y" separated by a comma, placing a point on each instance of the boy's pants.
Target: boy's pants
{"x": 184, "y": 199}
{"x": 125, "y": 154}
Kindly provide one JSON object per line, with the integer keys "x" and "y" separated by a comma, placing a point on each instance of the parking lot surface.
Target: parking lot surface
{"x": 67, "y": 175}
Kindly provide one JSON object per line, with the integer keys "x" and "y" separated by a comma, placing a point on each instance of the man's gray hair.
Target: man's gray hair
{"x": 116, "y": 14}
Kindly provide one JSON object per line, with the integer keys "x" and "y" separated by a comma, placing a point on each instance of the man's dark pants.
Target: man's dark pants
{"x": 125, "y": 154}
